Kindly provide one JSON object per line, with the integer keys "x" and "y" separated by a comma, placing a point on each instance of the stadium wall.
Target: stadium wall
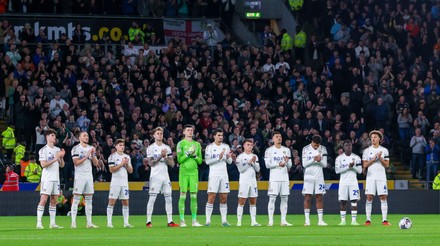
{"x": 400, "y": 202}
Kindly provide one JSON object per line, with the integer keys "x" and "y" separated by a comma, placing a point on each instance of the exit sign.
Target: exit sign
{"x": 253, "y": 15}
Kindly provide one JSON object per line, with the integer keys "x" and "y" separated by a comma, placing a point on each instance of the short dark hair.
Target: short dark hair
{"x": 316, "y": 139}
{"x": 248, "y": 140}
{"x": 188, "y": 126}
{"x": 217, "y": 130}
{"x": 119, "y": 140}
{"x": 50, "y": 131}
{"x": 275, "y": 133}
{"x": 347, "y": 142}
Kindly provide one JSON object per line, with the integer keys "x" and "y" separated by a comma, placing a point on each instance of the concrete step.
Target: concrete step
{"x": 415, "y": 184}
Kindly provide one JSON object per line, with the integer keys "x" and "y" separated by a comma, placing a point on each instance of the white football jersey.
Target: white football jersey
{"x": 84, "y": 170}
{"x": 247, "y": 172}
{"x": 312, "y": 169}
{"x": 217, "y": 167}
{"x": 272, "y": 158}
{"x": 160, "y": 170}
{"x": 376, "y": 171}
{"x": 120, "y": 176}
{"x": 52, "y": 172}
{"x": 342, "y": 166}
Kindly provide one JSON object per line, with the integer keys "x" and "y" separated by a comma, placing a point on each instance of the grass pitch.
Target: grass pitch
{"x": 21, "y": 231}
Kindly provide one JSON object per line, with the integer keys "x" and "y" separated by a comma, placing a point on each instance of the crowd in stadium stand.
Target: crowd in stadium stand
{"x": 153, "y": 8}
{"x": 364, "y": 65}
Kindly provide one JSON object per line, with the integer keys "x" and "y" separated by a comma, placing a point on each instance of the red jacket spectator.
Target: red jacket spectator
{"x": 11, "y": 180}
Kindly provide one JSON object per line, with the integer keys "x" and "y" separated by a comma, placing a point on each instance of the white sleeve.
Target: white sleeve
{"x": 111, "y": 161}
{"x": 241, "y": 165}
{"x": 268, "y": 160}
{"x": 257, "y": 164}
{"x": 323, "y": 156}
{"x": 385, "y": 154}
{"x": 75, "y": 153}
{"x": 227, "y": 151}
{"x": 365, "y": 155}
{"x": 305, "y": 161}
{"x": 358, "y": 165}
{"x": 169, "y": 151}
{"x": 208, "y": 156}
{"x": 42, "y": 155}
{"x": 150, "y": 152}
{"x": 338, "y": 164}
{"x": 289, "y": 162}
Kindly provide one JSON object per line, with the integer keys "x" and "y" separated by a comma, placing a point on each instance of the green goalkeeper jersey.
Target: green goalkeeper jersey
{"x": 188, "y": 162}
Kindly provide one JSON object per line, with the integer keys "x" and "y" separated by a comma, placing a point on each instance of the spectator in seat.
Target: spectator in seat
{"x": 10, "y": 179}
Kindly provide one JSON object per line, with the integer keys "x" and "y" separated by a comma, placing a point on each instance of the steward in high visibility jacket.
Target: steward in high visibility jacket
{"x": 19, "y": 151}
{"x": 296, "y": 5}
{"x": 8, "y": 138}
{"x": 436, "y": 183}
{"x": 11, "y": 180}
{"x": 286, "y": 41}
{"x": 33, "y": 171}
{"x": 300, "y": 39}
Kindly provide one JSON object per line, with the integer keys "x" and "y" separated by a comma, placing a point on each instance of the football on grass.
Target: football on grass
{"x": 405, "y": 223}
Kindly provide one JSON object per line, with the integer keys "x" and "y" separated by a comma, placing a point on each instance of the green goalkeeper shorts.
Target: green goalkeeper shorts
{"x": 191, "y": 181}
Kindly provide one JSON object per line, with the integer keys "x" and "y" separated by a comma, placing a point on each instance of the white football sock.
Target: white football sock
{"x": 52, "y": 214}
{"x": 169, "y": 207}
{"x": 271, "y": 208}
{"x": 283, "y": 208}
{"x": 253, "y": 212}
{"x": 224, "y": 212}
{"x": 150, "y": 206}
{"x": 368, "y": 208}
{"x": 307, "y": 215}
{"x": 343, "y": 214}
{"x": 40, "y": 212}
{"x": 208, "y": 212}
{"x": 384, "y": 208}
{"x": 125, "y": 214}
{"x": 109, "y": 214}
{"x": 239, "y": 213}
{"x": 89, "y": 208}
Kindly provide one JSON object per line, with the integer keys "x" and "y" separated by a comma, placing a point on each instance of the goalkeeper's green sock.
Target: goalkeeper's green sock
{"x": 182, "y": 207}
{"x": 194, "y": 206}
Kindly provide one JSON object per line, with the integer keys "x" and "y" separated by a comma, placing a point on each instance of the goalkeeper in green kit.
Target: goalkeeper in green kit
{"x": 189, "y": 156}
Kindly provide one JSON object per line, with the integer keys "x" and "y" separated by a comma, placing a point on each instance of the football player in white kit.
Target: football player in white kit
{"x": 217, "y": 155}
{"x": 375, "y": 159}
{"x": 348, "y": 165}
{"x": 248, "y": 165}
{"x": 159, "y": 157}
{"x": 51, "y": 159}
{"x": 278, "y": 160}
{"x": 83, "y": 155}
{"x": 120, "y": 166}
{"x": 314, "y": 158}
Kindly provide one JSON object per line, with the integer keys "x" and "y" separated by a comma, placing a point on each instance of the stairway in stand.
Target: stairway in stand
{"x": 403, "y": 173}
{"x": 3, "y": 126}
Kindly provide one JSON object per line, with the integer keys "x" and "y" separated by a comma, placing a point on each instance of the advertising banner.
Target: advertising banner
{"x": 94, "y": 28}
{"x": 188, "y": 29}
